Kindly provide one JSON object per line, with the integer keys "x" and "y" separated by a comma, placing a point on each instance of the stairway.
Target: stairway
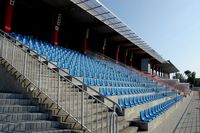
{"x": 19, "y": 113}
{"x": 65, "y": 101}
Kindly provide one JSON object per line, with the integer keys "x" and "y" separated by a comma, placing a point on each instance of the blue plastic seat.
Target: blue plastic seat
{"x": 102, "y": 91}
{"x": 121, "y": 102}
{"x": 145, "y": 117}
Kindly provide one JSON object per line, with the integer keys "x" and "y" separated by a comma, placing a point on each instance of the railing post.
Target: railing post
{"x": 114, "y": 121}
{"x": 3, "y": 46}
{"x": 25, "y": 59}
{"x": 39, "y": 82}
{"x": 58, "y": 92}
{"x": 6, "y": 51}
{"x": 82, "y": 108}
{"x": 13, "y": 55}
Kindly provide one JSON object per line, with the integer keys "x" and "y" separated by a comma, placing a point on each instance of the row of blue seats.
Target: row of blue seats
{"x": 105, "y": 73}
{"x": 170, "y": 93}
{"x": 124, "y": 91}
{"x": 36, "y": 44}
{"x": 99, "y": 82}
{"x": 151, "y": 113}
{"x": 133, "y": 101}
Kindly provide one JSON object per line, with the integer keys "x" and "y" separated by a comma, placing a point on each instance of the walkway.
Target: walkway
{"x": 190, "y": 122}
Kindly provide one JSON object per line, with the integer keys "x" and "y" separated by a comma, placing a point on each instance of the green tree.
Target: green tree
{"x": 188, "y": 73}
{"x": 180, "y": 77}
{"x": 191, "y": 76}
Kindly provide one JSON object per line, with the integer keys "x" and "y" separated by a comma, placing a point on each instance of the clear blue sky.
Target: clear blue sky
{"x": 171, "y": 27}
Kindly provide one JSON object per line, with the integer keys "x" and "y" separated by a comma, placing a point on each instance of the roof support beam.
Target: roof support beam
{"x": 93, "y": 8}
{"x": 102, "y": 14}
{"x": 108, "y": 19}
{"x": 82, "y": 2}
{"x": 115, "y": 23}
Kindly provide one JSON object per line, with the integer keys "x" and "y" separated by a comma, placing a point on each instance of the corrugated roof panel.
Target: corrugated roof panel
{"x": 99, "y": 11}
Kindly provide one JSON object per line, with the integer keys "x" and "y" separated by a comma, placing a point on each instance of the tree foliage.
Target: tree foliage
{"x": 180, "y": 77}
{"x": 191, "y": 76}
{"x": 188, "y": 73}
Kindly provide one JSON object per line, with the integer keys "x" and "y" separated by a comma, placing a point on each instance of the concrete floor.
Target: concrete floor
{"x": 190, "y": 122}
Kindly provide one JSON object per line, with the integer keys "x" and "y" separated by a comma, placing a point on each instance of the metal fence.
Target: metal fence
{"x": 86, "y": 109}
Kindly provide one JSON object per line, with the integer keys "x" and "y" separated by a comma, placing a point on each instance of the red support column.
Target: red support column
{"x": 57, "y": 28}
{"x": 117, "y": 54}
{"x": 9, "y": 15}
{"x": 86, "y": 41}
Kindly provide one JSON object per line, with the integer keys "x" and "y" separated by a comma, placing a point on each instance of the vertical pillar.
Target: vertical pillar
{"x": 160, "y": 72}
{"x": 86, "y": 41}
{"x": 104, "y": 46}
{"x": 157, "y": 71}
{"x": 152, "y": 69}
{"x": 117, "y": 54}
{"x": 9, "y": 14}
{"x": 57, "y": 28}
{"x": 131, "y": 59}
{"x": 125, "y": 55}
{"x": 145, "y": 64}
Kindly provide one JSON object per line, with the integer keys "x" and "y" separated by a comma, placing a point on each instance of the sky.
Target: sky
{"x": 171, "y": 27}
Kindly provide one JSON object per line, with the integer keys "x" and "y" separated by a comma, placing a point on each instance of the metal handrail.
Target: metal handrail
{"x": 12, "y": 40}
{"x": 114, "y": 103}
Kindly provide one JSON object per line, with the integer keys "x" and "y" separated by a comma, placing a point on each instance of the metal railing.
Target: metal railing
{"x": 85, "y": 108}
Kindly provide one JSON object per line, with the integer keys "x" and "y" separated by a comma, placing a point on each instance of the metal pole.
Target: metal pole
{"x": 58, "y": 92}
{"x": 82, "y": 108}
{"x": 39, "y": 82}
{"x": 13, "y": 55}
{"x": 6, "y": 49}
{"x": 2, "y": 43}
{"x": 25, "y": 59}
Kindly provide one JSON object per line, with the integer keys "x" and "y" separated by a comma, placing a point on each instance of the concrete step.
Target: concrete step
{"x": 88, "y": 111}
{"x": 22, "y": 126}
{"x": 15, "y": 102}
{"x": 95, "y": 116}
{"x": 53, "y": 130}
{"x": 57, "y": 131}
{"x": 122, "y": 124}
{"x": 18, "y": 109}
{"x": 14, "y": 117}
{"x": 102, "y": 125}
{"x": 12, "y": 96}
{"x": 10, "y": 90}
{"x": 129, "y": 130}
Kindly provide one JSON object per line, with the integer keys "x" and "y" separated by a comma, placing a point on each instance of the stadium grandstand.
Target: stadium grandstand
{"x": 73, "y": 66}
